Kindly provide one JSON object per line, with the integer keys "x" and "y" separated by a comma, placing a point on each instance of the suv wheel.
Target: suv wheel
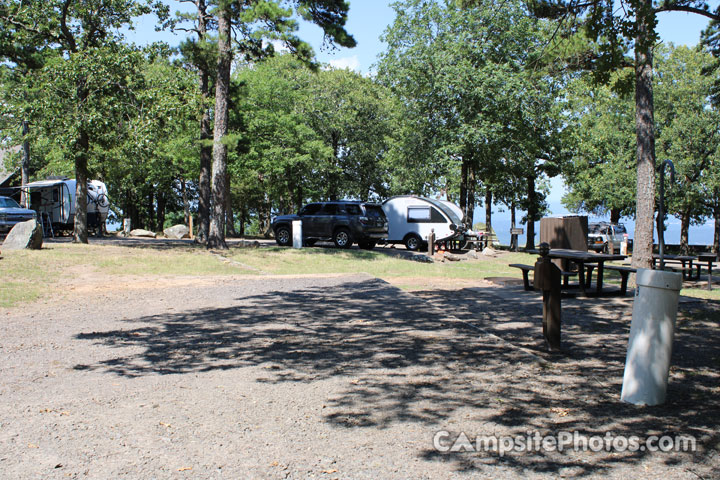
{"x": 342, "y": 238}
{"x": 413, "y": 242}
{"x": 283, "y": 236}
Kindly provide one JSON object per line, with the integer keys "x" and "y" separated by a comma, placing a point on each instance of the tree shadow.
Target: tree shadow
{"x": 404, "y": 362}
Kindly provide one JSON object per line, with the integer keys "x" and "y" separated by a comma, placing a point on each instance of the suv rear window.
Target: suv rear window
{"x": 374, "y": 211}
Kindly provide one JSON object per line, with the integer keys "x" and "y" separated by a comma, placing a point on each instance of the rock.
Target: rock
{"x": 472, "y": 254}
{"x": 452, "y": 257}
{"x": 24, "y": 235}
{"x": 139, "y": 232}
{"x": 489, "y": 252}
{"x": 422, "y": 259}
{"x": 248, "y": 244}
{"x": 177, "y": 232}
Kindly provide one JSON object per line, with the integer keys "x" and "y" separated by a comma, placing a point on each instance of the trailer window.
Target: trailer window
{"x": 425, "y": 215}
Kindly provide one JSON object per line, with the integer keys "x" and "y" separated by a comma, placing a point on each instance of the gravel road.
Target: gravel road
{"x": 310, "y": 377}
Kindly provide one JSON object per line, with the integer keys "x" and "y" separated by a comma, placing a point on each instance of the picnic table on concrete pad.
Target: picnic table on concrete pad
{"x": 580, "y": 258}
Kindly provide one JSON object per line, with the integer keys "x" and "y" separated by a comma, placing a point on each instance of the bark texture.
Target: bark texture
{"x": 645, "y": 132}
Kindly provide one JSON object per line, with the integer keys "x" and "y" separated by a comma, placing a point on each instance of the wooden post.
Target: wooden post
{"x": 547, "y": 278}
{"x": 192, "y": 236}
{"x": 431, "y": 243}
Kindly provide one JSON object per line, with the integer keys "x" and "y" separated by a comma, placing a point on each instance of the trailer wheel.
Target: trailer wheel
{"x": 283, "y": 236}
{"x": 413, "y": 242}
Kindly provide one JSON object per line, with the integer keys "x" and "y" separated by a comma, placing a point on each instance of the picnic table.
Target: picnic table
{"x": 710, "y": 258}
{"x": 683, "y": 260}
{"x": 580, "y": 258}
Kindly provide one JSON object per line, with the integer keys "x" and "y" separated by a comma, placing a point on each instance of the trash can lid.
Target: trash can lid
{"x": 659, "y": 279}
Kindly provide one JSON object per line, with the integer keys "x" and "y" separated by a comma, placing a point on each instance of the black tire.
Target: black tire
{"x": 367, "y": 244}
{"x": 342, "y": 238}
{"x": 413, "y": 242}
{"x": 283, "y": 236}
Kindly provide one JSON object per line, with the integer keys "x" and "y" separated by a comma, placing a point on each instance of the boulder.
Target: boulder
{"x": 177, "y": 232}
{"x": 24, "y": 235}
{"x": 422, "y": 259}
{"x": 472, "y": 254}
{"x": 139, "y": 232}
{"x": 489, "y": 252}
{"x": 453, "y": 257}
{"x": 248, "y": 244}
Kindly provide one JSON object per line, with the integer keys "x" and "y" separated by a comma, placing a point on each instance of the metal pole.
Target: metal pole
{"x": 661, "y": 210}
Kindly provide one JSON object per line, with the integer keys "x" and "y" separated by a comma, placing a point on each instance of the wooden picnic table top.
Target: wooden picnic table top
{"x": 682, "y": 258}
{"x": 707, "y": 257}
{"x": 582, "y": 256}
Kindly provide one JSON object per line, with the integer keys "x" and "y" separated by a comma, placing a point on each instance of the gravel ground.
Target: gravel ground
{"x": 311, "y": 377}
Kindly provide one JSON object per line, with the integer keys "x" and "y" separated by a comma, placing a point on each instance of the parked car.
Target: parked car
{"x": 11, "y": 213}
{"x": 343, "y": 222}
{"x": 607, "y": 237}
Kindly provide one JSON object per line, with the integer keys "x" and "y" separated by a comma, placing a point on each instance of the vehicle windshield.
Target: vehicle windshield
{"x": 594, "y": 228}
{"x": 6, "y": 202}
{"x": 620, "y": 229}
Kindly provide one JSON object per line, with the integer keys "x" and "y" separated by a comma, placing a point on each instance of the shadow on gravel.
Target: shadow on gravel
{"x": 407, "y": 365}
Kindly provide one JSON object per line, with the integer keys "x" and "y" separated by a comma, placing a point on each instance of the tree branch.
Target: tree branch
{"x": 670, "y": 7}
{"x": 64, "y": 28}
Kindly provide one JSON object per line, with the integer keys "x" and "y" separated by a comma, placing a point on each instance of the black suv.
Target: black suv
{"x": 343, "y": 222}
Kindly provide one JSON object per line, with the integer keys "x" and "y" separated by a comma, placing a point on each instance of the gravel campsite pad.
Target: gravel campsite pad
{"x": 319, "y": 377}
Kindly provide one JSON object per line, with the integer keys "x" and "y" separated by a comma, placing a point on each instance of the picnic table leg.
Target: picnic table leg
{"x": 599, "y": 277}
{"x": 526, "y": 280}
{"x": 710, "y": 265}
{"x": 624, "y": 282}
{"x": 581, "y": 276}
{"x": 588, "y": 280}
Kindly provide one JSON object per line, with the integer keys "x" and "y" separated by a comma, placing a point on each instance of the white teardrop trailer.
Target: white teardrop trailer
{"x": 54, "y": 202}
{"x": 411, "y": 219}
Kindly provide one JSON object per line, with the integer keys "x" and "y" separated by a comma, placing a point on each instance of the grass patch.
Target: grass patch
{"x": 29, "y": 275}
{"x": 287, "y": 261}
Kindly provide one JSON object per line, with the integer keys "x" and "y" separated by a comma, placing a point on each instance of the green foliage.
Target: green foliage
{"x": 468, "y": 79}
{"x": 306, "y": 135}
{"x": 601, "y": 174}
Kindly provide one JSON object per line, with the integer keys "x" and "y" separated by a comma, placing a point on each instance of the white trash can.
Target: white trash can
{"x": 297, "y": 233}
{"x": 647, "y": 364}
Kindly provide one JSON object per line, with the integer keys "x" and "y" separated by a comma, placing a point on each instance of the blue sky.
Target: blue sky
{"x": 369, "y": 18}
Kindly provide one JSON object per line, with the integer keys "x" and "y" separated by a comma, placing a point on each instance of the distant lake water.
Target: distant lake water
{"x": 698, "y": 234}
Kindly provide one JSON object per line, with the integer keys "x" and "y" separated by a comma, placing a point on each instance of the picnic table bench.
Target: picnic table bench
{"x": 623, "y": 270}
{"x": 526, "y": 269}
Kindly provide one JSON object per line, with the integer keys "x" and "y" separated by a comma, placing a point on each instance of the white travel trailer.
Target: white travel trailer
{"x": 54, "y": 201}
{"x": 412, "y": 218}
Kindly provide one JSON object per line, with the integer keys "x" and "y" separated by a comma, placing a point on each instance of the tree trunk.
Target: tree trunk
{"x": 243, "y": 219}
{"x": 161, "y": 203}
{"x": 186, "y": 202}
{"x": 645, "y": 133}
{"x": 488, "y": 209}
{"x": 151, "y": 210}
{"x": 470, "y": 207}
{"x": 684, "y": 229}
{"x": 716, "y": 237}
{"x": 614, "y": 215}
{"x": 205, "y": 136}
{"x": 80, "y": 234}
{"x": 25, "y": 168}
{"x": 513, "y": 238}
{"x": 463, "y": 191}
{"x": 229, "y": 217}
{"x": 216, "y": 238}
{"x": 531, "y": 213}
